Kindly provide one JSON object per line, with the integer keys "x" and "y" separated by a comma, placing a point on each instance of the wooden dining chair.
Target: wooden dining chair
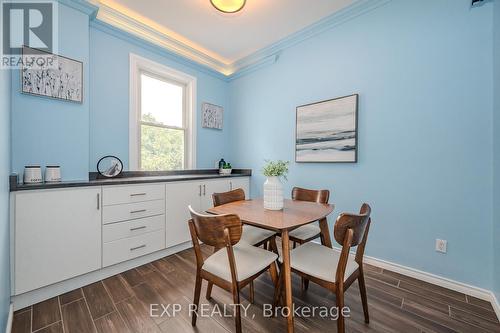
{"x": 309, "y": 231}
{"x": 231, "y": 268}
{"x": 251, "y": 235}
{"x": 333, "y": 269}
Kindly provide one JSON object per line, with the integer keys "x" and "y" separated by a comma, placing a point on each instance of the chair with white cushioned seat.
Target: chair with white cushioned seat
{"x": 234, "y": 265}
{"x": 333, "y": 269}
{"x": 311, "y": 231}
{"x": 308, "y": 232}
{"x": 251, "y": 235}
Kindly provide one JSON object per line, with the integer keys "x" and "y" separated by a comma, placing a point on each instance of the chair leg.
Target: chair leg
{"x": 209, "y": 291}
{"x": 237, "y": 312}
{"x": 272, "y": 245}
{"x": 305, "y": 284}
{"x": 339, "y": 296}
{"x": 196, "y": 300}
{"x": 362, "y": 291}
{"x": 273, "y": 271}
{"x": 322, "y": 239}
{"x": 251, "y": 293}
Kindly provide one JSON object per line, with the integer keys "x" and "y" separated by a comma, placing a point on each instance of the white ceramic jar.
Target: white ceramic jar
{"x": 32, "y": 174}
{"x": 53, "y": 173}
{"x": 273, "y": 193}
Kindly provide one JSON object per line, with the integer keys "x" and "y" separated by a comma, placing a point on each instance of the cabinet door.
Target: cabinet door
{"x": 57, "y": 236}
{"x": 241, "y": 182}
{"x": 179, "y": 196}
{"x": 208, "y": 188}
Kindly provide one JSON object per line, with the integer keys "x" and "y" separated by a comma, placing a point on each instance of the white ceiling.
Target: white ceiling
{"x": 227, "y": 37}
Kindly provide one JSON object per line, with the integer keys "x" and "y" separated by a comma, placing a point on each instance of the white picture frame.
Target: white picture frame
{"x": 327, "y": 131}
{"x": 59, "y": 78}
{"x": 212, "y": 116}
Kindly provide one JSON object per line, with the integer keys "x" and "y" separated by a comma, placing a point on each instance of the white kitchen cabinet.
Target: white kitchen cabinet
{"x": 57, "y": 236}
{"x": 127, "y": 194}
{"x": 240, "y": 182}
{"x": 198, "y": 194}
{"x": 132, "y": 247}
{"x": 179, "y": 196}
{"x": 208, "y": 188}
{"x": 117, "y": 213}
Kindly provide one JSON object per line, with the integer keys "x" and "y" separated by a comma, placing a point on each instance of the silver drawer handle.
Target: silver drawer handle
{"x": 137, "y": 194}
{"x": 138, "y": 228}
{"x": 138, "y": 247}
{"x": 138, "y": 211}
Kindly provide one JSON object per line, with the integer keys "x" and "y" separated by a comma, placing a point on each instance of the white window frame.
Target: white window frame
{"x": 140, "y": 65}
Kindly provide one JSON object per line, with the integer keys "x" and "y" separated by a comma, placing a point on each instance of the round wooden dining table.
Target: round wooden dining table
{"x": 293, "y": 215}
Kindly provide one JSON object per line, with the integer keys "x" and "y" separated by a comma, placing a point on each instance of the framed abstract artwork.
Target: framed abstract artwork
{"x": 327, "y": 131}
{"x": 51, "y": 75}
{"x": 212, "y": 116}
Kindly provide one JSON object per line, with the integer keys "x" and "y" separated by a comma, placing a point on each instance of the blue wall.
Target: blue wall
{"x": 75, "y": 135}
{"x": 109, "y": 105}
{"x": 496, "y": 153}
{"x": 47, "y": 131}
{"x": 425, "y": 129}
{"x": 423, "y": 73}
{"x": 4, "y": 195}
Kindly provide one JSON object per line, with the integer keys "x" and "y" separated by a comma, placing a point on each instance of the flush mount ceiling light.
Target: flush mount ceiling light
{"x": 228, "y": 6}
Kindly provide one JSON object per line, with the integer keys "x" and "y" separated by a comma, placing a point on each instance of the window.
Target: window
{"x": 161, "y": 118}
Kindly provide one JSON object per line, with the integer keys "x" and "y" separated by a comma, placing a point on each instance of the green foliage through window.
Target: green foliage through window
{"x": 161, "y": 148}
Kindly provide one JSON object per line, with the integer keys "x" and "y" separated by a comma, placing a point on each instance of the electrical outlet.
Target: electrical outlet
{"x": 441, "y": 245}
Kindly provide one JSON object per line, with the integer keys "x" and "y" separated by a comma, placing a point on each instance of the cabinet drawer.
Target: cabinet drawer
{"x": 117, "y": 213}
{"x": 129, "y": 194}
{"x": 120, "y": 230}
{"x": 132, "y": 247}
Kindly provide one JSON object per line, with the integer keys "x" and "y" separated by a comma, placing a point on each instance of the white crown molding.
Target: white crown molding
{"x": 243, "y": 66}
{"x": 85, "y": 7}
{"x": 346, "y": 14}
{"x": 119, "y": 20}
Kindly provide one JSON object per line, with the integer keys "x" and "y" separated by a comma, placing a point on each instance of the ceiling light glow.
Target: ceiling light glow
{"x": 228, "y": 6}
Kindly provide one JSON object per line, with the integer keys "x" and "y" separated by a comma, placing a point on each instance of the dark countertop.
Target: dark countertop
{"x": 134, "y": 177}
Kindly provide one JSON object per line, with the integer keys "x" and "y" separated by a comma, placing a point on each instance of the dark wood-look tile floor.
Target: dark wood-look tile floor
{"x": 122, "y": 304}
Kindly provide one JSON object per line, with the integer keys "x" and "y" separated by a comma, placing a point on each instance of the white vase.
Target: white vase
{"x": 273, "y": 193}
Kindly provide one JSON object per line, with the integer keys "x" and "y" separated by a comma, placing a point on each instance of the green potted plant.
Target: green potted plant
{"x": 274, "y": 171}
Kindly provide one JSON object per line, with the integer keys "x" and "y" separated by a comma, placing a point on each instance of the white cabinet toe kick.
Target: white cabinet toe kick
{"x": 63, "y": 239}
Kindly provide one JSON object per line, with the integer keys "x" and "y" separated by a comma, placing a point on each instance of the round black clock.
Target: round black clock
{"x": 110, "y": 166}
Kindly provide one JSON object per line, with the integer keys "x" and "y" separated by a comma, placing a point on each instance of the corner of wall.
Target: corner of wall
{"x": 5, "y": 167}
{"x": 496, "y": 149}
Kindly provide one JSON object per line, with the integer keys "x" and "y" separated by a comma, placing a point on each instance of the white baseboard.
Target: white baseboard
{"x": 8, "y": 326}
{"x": 437, "y": 280}
{"x": 496, "y": 304}
{"x": 431, "y": 278}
